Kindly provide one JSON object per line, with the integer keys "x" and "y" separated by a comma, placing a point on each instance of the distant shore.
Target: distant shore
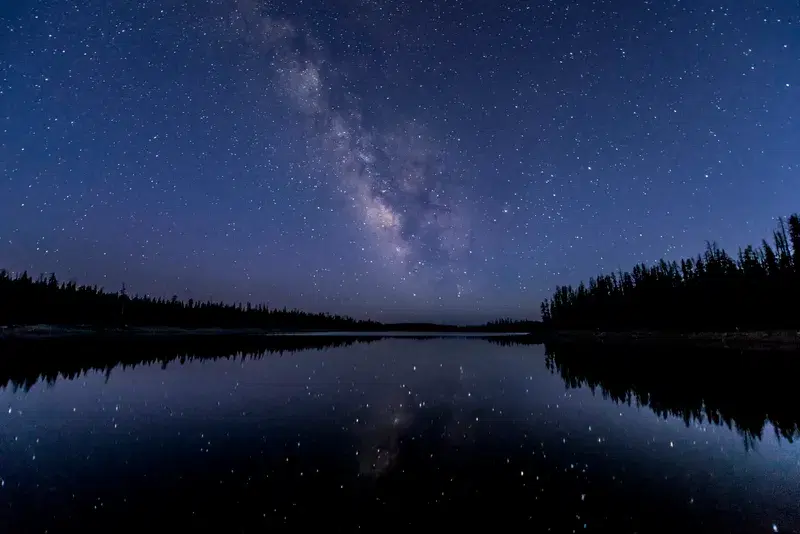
{"x": 761, "y": 340}
{"x": 34, "y": 332}
{"x": 51, "y": 331}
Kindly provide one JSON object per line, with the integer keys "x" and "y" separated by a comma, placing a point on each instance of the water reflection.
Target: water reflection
{"x": 368, "y": 434}
{"x": 745, "y": 392}
{"x": 24, "y": 363}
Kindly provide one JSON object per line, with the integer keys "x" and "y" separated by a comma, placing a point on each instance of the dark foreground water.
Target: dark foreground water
{"x": 391, "y": 434}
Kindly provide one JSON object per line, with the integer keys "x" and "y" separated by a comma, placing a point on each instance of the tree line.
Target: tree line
{"x": 46, "y": 300}
{"x": 758, "y": 289}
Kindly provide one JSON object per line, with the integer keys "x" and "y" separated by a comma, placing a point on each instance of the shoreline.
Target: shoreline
{"x": 38, "y": 332}
{"x": 775, "y": 340}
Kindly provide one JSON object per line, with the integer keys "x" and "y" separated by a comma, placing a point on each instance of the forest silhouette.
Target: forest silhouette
{"x": 25, "y": 301}
{"x": 756, "y": 290}
{"x": 754, "y": 390}
{"x": 47, "y": 301}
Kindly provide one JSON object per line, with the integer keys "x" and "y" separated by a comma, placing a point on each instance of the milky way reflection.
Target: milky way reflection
{"x": 391, "y": 433}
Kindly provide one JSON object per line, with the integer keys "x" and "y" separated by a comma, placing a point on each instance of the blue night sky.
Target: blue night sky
{"x": 427, "y": 160}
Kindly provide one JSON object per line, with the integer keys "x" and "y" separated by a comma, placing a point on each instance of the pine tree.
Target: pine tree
{"x": 711, "y": 291}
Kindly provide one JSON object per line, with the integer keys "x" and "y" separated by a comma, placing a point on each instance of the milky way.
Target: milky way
{"x": 394, "y": 178}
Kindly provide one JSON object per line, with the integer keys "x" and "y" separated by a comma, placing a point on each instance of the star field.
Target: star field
{"x": 433, "y": 160}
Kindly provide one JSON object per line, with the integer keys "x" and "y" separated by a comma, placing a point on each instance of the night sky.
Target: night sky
{"x": 428, "y": 160}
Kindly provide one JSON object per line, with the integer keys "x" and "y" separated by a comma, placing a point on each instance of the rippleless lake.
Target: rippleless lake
{"x": 384, "y": 434}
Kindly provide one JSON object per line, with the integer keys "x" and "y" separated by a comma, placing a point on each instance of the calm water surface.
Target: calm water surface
{"x": 389, "y": 434}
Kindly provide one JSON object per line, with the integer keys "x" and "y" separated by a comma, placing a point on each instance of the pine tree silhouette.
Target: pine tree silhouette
{"x": 24, "y": 301}
{"x": 756, "y": 290}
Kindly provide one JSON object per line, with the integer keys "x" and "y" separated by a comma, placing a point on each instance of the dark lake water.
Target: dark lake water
{"x": 394, "y": 434}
